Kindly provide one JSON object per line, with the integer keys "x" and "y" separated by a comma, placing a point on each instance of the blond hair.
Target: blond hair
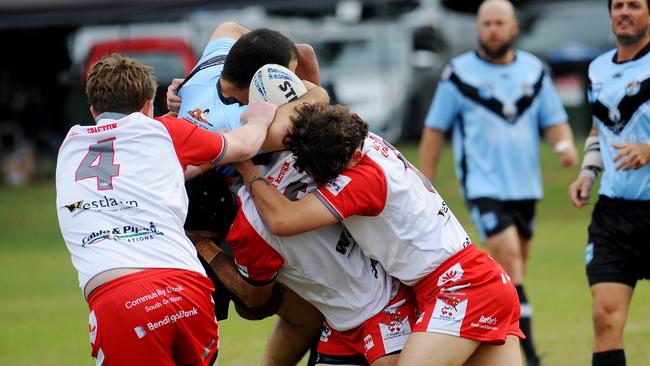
{"x": 117, "y": 83}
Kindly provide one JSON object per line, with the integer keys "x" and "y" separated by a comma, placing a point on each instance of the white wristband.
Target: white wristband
{"x": 562, "y": 146}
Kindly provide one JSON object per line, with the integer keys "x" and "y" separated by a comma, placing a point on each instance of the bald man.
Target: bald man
{"x": 495, "y": 101}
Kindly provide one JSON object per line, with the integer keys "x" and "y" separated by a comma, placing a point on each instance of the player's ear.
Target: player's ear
{"x": 147, "y": 108}
{"x": 92, "y": 111}
{"x": 356, "y": 157}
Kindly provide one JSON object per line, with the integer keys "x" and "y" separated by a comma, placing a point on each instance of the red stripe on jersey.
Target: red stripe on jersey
{"x": 256, "y": 259}
{"x": 363, "y": 192}
{"x": 194, "y": 145}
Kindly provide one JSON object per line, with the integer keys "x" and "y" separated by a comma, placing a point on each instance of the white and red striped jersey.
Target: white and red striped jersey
{"x": 325, "y": 267}
{"x": 121, "y": 200}
{"x": 394, "y": 213}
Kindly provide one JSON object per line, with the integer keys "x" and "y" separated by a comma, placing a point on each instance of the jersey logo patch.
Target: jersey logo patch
{"x": 336, "y": 186}
{"x": 616, "y": 117}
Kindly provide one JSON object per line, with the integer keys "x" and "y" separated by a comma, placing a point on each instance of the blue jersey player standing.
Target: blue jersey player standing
{"x": 619, "y": 145}
{"x": 496, "y": 101}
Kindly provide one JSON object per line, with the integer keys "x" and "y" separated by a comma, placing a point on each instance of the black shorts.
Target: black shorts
{"x": 618, "y": 249}
{"x": 492, "y": 216}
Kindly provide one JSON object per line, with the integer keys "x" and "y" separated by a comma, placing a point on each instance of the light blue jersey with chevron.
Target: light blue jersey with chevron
{"x": 620, "y": 97}
{"x": 201, "y": 103}
{"x": 496, "y": 112}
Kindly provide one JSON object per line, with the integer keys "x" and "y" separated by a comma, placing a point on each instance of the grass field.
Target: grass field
{"x": 44, "y": 317}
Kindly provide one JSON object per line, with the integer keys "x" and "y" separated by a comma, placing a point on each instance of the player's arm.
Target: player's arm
{"x": 430, "y": 150}
{"x": 229, "y": 30}
{"x": 282, "y": 121}
{"x": 252, "y": 296}
{"x": 632, "y": 155}
{"x": 561, "y": 138}
{"x": 307, "y": 68}
{"x": 245, "y": 142}
{"x": 592, "y": 164}
{"x": 282, "y": 216}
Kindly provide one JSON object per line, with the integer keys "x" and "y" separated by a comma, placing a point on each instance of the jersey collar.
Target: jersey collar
{"x": 642, "y": 52}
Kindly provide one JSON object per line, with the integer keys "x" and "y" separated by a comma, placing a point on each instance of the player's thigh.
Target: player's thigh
{"x": 507, "y": 354}
{"x": 429, "y": 349}
{"x": 388, "y": 360}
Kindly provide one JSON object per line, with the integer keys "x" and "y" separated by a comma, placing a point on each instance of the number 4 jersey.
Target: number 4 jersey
{"x": 121, "y": 199}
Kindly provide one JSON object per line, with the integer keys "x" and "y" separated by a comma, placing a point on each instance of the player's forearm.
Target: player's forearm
{"x": 246, "y": 141}
{"x": 282, "y": 121}
{"x": 592, "y": 162}
{"x": 560, "y": 137}
{"x": 224, "y": 268}
{"x": 430, "y": 151}
{"x": 273, "y": 206}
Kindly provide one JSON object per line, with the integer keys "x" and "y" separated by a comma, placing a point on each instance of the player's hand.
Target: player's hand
{"x": 203, "y": 243}
{"x": 579, "y": 191}
{"x": 567, "y": 152}
{"x": 631, "y": 155}
{"x": 259, "y": 111}
{"x": 173, "y": 100}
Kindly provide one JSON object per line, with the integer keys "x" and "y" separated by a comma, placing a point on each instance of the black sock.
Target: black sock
{"x": 525, "y": 324}
{"x": 615, "y": 357}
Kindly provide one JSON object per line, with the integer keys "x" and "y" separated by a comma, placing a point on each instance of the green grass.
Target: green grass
{"x": 44, "y": 317}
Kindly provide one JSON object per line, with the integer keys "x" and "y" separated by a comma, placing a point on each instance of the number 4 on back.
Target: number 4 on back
{"x": 99, "y": 163}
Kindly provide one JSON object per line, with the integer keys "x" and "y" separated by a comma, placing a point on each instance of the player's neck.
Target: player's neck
{"x": 627, "y": 52}
{"x": 506, "y": 58}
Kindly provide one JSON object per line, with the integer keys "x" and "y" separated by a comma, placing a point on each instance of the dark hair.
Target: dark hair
{"x": 254, "y": 50}
{"x": 609, "y": 5}
{"x": 117, "y": 83}
{"x": 323, "y": 139}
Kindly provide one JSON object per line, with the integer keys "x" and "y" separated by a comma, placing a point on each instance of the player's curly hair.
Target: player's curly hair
{"x": 253, "y": 50}
{"x": 117, "y": 83}
{"x": 323, "y": 139}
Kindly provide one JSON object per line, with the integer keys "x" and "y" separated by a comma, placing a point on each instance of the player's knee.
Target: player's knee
{"x": 607, "y": 319}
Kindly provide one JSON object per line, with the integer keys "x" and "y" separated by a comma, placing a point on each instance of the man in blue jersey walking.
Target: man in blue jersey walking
{"x": 496, "y": 101}
{"x": 617, "y": 252}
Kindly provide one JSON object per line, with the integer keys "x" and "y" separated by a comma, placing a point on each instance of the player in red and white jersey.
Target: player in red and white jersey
{"x": 469, "y": 305}
{"x": 368, "y": 316}
{"x": 121, "y": 204}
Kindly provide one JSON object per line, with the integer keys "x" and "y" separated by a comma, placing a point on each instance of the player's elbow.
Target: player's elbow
{"x": 280, "y": 226}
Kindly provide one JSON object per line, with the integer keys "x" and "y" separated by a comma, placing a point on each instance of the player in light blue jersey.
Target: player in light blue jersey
{"x": 213, "y": 97}
{"x": 496, "y": 101}
{"x": 617, "y": 252}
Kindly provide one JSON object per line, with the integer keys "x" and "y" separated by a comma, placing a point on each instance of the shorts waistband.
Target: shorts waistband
{"x": 468, "y": 251}
{"x": 134, "y": 277}
{"x": 623, "y": 203}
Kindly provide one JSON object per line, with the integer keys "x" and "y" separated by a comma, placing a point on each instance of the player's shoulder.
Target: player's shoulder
{"x": 604, "y": 60}
{"x": 463, "y": 60}
{"x": 527, "y": 57}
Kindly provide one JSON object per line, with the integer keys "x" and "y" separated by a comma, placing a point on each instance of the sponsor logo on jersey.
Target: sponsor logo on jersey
{"x": 633, "y": 88}
{"x": 127, "y": 233}
{"x": 198, "y": 115}
{"x": 368, "y": 344}
{"x": 336, "y": 186}
{"x": 453, "y": 274}
{"x": 104, "y": 203}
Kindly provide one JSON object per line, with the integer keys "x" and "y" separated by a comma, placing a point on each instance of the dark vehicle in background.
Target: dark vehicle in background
{"x": 567, "y": 35}
{"x": 169, "y": 52}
